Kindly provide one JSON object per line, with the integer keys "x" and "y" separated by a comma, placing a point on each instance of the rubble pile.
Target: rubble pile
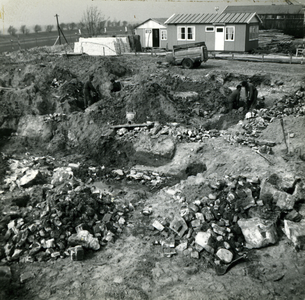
{"x": 239, "y": 214}
{"x": 57, "y": 218}
{"x": 289, "y": 105}
{"x": 179, "y": 132}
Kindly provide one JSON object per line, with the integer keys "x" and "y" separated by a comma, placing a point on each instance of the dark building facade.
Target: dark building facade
{"x": 288, "y": 18}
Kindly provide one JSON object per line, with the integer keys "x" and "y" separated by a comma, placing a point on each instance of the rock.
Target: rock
{"x": 202, "y": 239}
{"x": 179, "y": 226}
{"x": 77, "y": 253}
{"x": 150, "y": 151}
{"x": 61, "y": 175}
{"x": 187, "y": 96}
{"x": 30, "y": 178}
{"x": 293, "y": 216}
{"x": 282, "y": 199}
{"x": 181, "y": 247}
{"x": 257, "y": 232}
{"x": 84, "y": 238}
{"x": 156, "y": 224}
{"x": 225, "y": 255}
{"x": 296, "y": 233}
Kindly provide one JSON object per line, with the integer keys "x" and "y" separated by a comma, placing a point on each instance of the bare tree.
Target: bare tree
{"x": 49, "y": 28}
{"x": 23, "y": 29}
{"x": 37, "y": 28}
{"x": 12, "y": 30}
{"x": 93, "y": 18}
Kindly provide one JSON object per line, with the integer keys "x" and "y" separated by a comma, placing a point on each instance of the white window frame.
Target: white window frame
{"x": 163, "y": 35}
{"x": 253, "y": 32}
{"x": 212, "y": 27}
{"x": 186, "y": 33}
{"x": 233, "y": 33}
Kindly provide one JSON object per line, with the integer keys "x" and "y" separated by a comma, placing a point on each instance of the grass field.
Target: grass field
{"x": 27, "y": 41}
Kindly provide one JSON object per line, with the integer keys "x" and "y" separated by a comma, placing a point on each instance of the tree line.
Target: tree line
{"x": 93, "y": 23}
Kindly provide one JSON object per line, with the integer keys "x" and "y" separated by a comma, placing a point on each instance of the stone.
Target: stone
{"x": 195, "y": 254}
{"x": 195, "y": 223}
{"x": 258, "y": 232}
{"x": 293, "y": 216}
{"x": 202, "y": 239}
{"x": 296, "y": 233}
{"x": 282, "y": 199}
{"x": 77, "y": 253}
{"x": 224, "y": 255}
{"x": 178, "y": 225}
{"x": 84, "y": 238}
{"x": 156, "y": 224}
{"x": 181, "y": 247}
{"x": 50, "y": 243}
{"x": 30, "y": 178}
{"x": 218, "y": 229}
{"x": 61, "y": 175}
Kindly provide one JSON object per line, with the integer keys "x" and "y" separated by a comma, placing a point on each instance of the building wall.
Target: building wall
{"x": 241, "y": 41}
{"x": 290, "y": 24}
{"x": 150, "y": 25}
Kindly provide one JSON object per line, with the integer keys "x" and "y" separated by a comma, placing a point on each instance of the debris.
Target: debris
{"x": 258, "y": 233}
{"x": 296, "y": 233}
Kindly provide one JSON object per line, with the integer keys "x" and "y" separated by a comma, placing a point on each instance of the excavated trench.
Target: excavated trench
{"x": 145, "y": 184}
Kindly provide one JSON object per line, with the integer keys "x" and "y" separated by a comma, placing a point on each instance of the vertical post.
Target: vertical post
{"x": 232, "y": 56}
{"x": 104, "y": 51}
{"x": 290, "y": 60}
{"x": 263, "y": 57}
{"x": 58, "y": 29}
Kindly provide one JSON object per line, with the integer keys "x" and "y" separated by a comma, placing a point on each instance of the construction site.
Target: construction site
{"x": 155, "y": 191}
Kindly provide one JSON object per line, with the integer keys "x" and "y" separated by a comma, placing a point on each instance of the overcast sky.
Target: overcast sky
{"x": 42, "y": 12}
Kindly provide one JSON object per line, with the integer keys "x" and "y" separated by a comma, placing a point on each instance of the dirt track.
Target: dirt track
{"x": 136, "y": 265}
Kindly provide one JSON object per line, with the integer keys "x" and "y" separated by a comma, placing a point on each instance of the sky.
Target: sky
{"x": 42, "y": 12}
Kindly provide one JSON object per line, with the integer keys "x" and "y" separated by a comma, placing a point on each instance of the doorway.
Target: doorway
{"x": 219, "y": 39}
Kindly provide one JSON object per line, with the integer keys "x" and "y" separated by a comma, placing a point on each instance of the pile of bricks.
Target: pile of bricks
{"x": 61, "y": 221}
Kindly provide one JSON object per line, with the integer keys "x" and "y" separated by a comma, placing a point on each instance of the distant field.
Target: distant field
{"x": 27, "y": 41}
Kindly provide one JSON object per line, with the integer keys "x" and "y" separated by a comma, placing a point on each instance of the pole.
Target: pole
{"x": 58, "y": 29}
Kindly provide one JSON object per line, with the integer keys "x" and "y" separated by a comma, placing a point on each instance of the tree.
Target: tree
{"x": 72, "y": 26}
{"x": 12, "y": 30}
{"x": 49, "y": 28}
{"x": 37, "y": 28}
{"x": 62, "y": 25}
{"x": 125, "y": 23}
{"x": 93, "y": 18}
{"x": 23, "y": 29}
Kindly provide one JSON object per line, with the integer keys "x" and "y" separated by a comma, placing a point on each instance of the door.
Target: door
{"x": 148, "y": 38}
{"x": 156, "y": 38}
{"x": 219, "y": 39}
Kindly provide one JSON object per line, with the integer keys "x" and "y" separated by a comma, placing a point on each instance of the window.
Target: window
{"x": 209, "y": 29}
{"x": 186, "y": 33}
{"x": 230, "y": 33}
{"x": 253, "y": 32}
{"x": 163, "y": 35}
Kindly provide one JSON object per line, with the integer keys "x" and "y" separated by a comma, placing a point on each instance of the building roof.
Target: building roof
{"x": 232, "y": 18}
{"x": 161, "y": 21}
{"x": 265, "y": 9}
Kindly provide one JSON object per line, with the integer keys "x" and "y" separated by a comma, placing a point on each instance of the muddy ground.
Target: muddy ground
{"x": 190, "y": 150}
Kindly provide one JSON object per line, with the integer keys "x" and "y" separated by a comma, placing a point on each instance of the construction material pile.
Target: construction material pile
{"x": 239, "y": 214}
{"x": 54, "y": 212}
